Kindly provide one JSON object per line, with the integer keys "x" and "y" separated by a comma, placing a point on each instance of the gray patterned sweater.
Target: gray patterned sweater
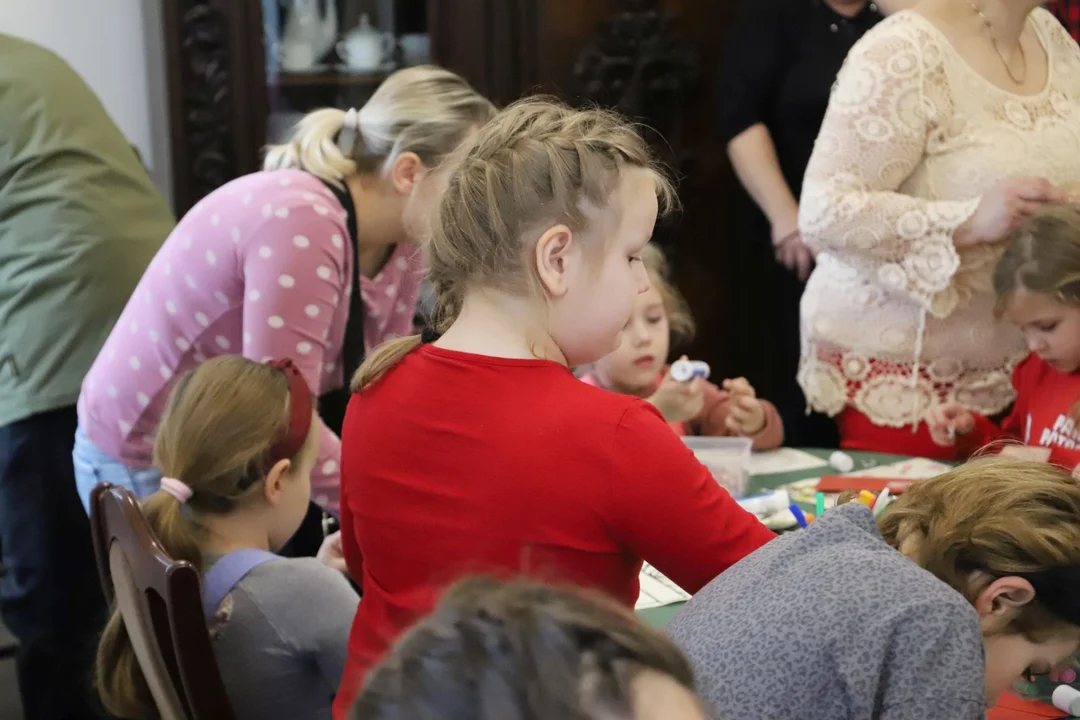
{"x": 831, "y": 622}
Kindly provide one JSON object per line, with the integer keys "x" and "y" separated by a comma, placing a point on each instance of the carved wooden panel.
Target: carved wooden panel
{"x": 645, "y": 61}
{"x": 217, "y": 100}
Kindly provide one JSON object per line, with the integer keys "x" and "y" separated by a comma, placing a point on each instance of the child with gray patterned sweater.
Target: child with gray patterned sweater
{"x": 236, "y": 446}
{"x": 963, "y": 585}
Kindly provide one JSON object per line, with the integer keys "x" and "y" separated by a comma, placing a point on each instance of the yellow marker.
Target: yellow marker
{"x": 867, "y": 498}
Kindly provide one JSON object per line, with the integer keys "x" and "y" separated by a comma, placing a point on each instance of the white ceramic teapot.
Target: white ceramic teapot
{"x": 308, "y": 35}
{"x": 365, "y": 49}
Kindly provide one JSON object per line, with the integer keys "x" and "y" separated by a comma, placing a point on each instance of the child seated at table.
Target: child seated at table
{"x": 1037, "y": 282}
{"x": 639, "y": 367}
{"x": 964, "y": 584}
{"x": 493, "y": 651}
{"x": 236, "y": 446}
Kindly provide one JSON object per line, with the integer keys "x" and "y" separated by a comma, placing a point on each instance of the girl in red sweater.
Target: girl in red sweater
{"x": 639, "y": 367}
{"x": 477, "y": 450}
{"x": 1037, "y": 282}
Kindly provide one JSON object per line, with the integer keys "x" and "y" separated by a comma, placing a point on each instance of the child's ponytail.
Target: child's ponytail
{"x": 118, "y": 676}
{"x": 381, "y": 359}
{"x": 221, "y": 420}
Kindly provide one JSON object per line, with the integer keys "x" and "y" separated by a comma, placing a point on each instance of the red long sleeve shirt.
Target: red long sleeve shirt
{"x": 456, "y": 464}
{"x": 1040, "y": 416}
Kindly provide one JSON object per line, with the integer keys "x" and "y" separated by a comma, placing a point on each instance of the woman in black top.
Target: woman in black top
{"x": 781, "y": 61}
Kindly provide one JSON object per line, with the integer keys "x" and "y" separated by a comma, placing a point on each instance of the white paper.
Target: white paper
{"x": 657, "y": 590}
{"x": 783, "y": 460}
{"x": 913, "y": 469}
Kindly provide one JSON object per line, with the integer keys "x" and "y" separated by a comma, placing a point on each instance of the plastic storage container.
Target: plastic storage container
{"x": 728, "y": 459}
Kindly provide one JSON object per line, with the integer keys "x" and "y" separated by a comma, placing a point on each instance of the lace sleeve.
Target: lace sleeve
{"x": 874, "y": 137}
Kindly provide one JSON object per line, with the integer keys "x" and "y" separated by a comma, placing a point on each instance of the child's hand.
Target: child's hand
{"x": 331, "y": 553}
{"x": 746, "y": 414}
{"x": 947, "y": 421}
{"x": 679, "y": 401}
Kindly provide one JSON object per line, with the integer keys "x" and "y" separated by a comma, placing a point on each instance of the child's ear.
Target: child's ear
{"x": 406, "y": 172}
{"x": 274, "y": 485}
{"x": 554, "y": 258}
{"x": 1001, "y": 601}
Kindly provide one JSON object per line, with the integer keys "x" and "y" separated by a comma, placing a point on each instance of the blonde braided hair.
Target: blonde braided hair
{"x": 537, "y": 163}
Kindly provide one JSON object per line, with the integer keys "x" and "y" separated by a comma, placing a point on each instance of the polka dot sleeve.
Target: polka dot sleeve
{"x": 295, "y": 277}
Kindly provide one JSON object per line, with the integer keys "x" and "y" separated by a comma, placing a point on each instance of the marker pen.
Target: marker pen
{"x": 798, "y": 513}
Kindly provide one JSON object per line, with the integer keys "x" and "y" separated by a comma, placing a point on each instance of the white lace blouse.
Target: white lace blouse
{"x": 895, "y": 318}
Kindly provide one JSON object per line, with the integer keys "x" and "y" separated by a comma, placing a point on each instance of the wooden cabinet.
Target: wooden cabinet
{"x": 654, "y": 60}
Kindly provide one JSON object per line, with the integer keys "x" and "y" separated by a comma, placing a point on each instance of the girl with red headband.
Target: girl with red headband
{"x": 236, "y": 448}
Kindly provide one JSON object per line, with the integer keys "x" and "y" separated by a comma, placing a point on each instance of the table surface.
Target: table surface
{"x": 658, "y": 617}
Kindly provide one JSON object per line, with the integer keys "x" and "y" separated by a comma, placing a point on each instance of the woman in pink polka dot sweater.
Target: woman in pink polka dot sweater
{"x": 266, "y": 266}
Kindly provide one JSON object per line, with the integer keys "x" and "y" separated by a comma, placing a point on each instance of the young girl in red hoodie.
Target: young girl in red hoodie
{"x": 639, "y": 367}
{"x": 478, "y": 451}
{"x": 1037, "y": 282}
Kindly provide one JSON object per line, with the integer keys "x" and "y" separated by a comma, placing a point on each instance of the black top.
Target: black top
{"x": 332, "y": 404}
{"x": 781, "y": 61}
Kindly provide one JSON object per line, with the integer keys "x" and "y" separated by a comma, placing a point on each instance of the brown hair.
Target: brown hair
{"x": 220, "y": 421}
{"x": 539, "y": 161}
{"x": 492, "y": 651}
{"x": 995, "y": 516}
{"x": 680, "y": 321}
{"x": 424, "y": 109}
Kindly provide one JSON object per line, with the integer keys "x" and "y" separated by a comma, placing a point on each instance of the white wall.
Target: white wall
{"x": 107, "y": 42}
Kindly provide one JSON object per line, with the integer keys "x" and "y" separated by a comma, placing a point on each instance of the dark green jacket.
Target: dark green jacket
{"x": 80, "y": 220}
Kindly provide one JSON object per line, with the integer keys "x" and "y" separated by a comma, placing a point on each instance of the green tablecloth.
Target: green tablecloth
{"x": 658, "y": 617}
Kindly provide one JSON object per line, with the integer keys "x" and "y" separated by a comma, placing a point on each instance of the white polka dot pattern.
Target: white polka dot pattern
{"x": 261, "y": 268}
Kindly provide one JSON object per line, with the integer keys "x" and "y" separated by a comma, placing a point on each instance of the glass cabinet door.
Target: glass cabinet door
{"x": 335, "y": 53}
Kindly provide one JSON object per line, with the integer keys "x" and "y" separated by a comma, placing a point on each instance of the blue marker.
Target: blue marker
{"x": 799, "y": 517}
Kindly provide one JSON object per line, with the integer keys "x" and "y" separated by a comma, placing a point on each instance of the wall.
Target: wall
{"x": 109, "y": 44}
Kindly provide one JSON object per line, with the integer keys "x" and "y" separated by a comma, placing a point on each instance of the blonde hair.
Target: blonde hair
{"x": 539, "y": 161}
{"x": 1042, "y": 256}
{"x": 996, "y": 516}
{"x": 220, "y": 421}
{"x": 424, "y": 110}
{"x": 680, "y": 320}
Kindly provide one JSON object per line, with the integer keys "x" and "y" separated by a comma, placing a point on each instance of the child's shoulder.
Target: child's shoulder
{"x": 290, "y": 581}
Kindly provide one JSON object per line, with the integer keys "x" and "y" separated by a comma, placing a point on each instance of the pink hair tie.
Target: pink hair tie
{"x": 177, "y": 488}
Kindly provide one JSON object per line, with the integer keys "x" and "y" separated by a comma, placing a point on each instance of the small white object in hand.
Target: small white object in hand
{"x": 842, "y": 462}
{"x": 687, "y": 370}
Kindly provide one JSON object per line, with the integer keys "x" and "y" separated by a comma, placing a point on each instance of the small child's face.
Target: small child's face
{"x": 1050, "y": 326}
{"x": 1011, "y": 657}
{"x": 633, "y": 367}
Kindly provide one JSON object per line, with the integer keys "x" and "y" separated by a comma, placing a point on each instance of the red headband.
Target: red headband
{"x": 300, "y": 406}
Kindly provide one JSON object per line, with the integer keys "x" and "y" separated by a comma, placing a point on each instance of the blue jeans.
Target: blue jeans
{"x": 93, "y": 466}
